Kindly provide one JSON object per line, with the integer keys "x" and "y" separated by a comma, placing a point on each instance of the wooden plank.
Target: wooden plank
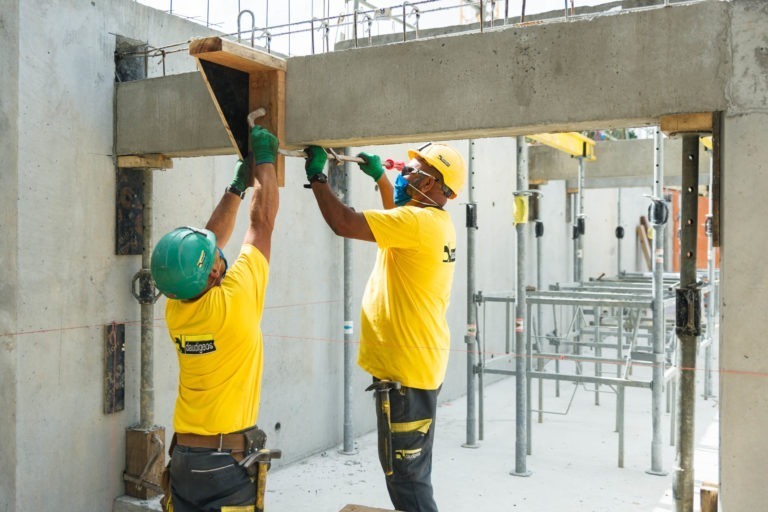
{"x": 154, "y": 161}
{"x": 676, "y": 124}
{"x": 708, "y": 496}
{"x": 267, "y": 90}
{"x": 241, "y": 79}
{"x": 234, "y": 55}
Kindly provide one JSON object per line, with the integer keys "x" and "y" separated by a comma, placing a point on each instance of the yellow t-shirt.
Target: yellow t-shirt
{"x": 403, "y": 327}
{"x": 219, "y": 344}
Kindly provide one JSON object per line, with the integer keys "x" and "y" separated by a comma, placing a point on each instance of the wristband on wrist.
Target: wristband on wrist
{"x": 319, "y": 177}
{"x": 234, "y": 190}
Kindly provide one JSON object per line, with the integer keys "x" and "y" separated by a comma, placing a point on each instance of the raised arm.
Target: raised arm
{"x": 265, "y": 200}
{"x": 222, "y": 220}
{"x": 373, "y": 168}
{"x": 343, "y": 220}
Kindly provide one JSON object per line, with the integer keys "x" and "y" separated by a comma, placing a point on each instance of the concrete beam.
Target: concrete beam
{"x": 629, "y": 160}
{"x": 604, "y": 72}
{"x": 172, "y": 116}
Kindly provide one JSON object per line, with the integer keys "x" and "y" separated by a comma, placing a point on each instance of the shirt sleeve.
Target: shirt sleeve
{"x": 398, "y": 227}
{"x": 249, "y": 274}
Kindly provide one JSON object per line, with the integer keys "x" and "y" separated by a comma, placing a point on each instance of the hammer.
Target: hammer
{"x": 261, "y": 457}
{"x": 382, "y": 387}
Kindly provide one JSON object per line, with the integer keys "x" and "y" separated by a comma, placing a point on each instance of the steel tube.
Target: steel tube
{"x": 711, "y": 295}
{"x": 147, "y": 393}
{"x": 470, "y": 338}
{"x": 348, "y": 446}
{"x": 620, "y": 422}
{"x": 683, "y": 486}
{"x": 657, "y": 391}
{"x": 586, "y": 379}
{"x": 522, "y": 397}
{"x": 618, "y": 224}
{"x": 578, "y": 261}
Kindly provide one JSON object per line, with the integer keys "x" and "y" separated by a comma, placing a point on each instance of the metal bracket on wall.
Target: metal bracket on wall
{"x": 688, "y": 310}
{"x": 114, "y": 368}
{"x": 147, "y": 292}
{"x": 129, "y": 212}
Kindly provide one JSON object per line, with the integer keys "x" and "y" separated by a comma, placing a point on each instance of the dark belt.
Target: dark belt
{"x": 232, "y": 442}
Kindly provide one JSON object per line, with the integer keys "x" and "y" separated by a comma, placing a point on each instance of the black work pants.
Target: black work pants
{"x": 204, "y": 480}
{"x": 413, "y": 432}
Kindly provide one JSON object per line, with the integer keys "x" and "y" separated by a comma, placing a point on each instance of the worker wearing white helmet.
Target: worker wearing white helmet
{"x": 404, "y": 337}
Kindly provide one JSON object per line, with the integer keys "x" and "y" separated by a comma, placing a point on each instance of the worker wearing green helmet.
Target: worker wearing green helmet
{"x": 404, "y": 337}
{"x": 213, "y": 315}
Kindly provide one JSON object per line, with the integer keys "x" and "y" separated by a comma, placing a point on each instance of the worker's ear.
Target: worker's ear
{"x": 427, "y": 183}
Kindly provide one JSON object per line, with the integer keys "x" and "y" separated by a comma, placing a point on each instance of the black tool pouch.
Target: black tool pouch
{"x": 255, "y": 440}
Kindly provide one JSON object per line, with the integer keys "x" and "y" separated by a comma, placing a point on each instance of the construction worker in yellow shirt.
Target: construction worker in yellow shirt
{"x": 213, "y": 315}
{"x": 404, "y": 337}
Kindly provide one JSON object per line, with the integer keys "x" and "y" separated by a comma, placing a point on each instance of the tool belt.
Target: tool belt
{"x": 241, "y": 443}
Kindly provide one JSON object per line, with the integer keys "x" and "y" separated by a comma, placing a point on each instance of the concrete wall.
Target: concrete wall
{"x": 9, "y": 190}
{"x": 58, "y": 202}
{"x": 58, "y": 199}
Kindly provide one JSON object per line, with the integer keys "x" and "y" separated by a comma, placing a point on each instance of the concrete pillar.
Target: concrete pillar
{"x": 743, "y": 358}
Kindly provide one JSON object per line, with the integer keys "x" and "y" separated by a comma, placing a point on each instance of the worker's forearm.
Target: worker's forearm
{"x": 387, "y": 192}
{"x": 265, "y": 201}
{"x": 331, "y": 207}
{"x": 222, "y": 220}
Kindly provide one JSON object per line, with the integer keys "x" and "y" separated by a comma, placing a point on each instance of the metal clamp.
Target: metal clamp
{"x": 688, "y": 310}
{"x": 146, "y": 292}
{"x": 471, "y": 214}
{"x": 658, "y": 211}
{"x": 518, "y": 193}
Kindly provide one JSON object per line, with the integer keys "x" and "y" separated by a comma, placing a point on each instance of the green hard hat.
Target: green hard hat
{"x": 182, "y": 261}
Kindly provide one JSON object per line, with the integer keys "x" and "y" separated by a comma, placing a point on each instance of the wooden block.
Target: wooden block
{"x": 708, "y": 494}
{"x": 676, "y": 124}
{"x": 144, "y": 461}
{"x": 241, "y": 79}
{"x": 144, "y": 161}
{"x": 363, "y": 508}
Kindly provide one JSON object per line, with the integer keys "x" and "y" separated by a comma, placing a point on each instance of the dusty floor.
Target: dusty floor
{"x": 573, "y": 462}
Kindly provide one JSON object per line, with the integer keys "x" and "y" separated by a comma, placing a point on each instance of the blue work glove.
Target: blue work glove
{"x": 372, "y": 166}
{"x": 243, "y": 177}
{"x": 263, "y": 146}
{"x": 316, "y": 158}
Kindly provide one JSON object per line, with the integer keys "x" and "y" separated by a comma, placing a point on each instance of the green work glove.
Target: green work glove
{"x": 243, "y": 177}
{"x": 316, "y": 158}
{"x": 263, "y": 146}
{"x": 372, "y": 166}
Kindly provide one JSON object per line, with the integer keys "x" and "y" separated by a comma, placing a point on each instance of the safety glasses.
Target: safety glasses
{"x": 412, "y": 170}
